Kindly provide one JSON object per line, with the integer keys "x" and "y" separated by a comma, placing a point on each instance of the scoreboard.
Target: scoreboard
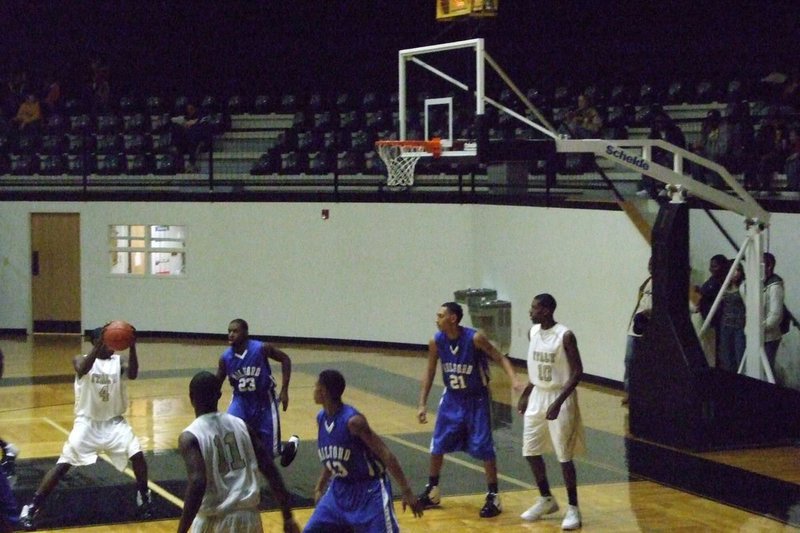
{"x": 450, "y": 9}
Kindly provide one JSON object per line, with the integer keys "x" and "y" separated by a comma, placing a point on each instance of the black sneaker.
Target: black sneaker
{"x": 430, "y": 497}
{"x": 144, "y": 505}
{"x": 492, "y": 507}
{"x": 27, "y": 516}
{"x": 290, "y": 450}
{"x": 9, "y": 461}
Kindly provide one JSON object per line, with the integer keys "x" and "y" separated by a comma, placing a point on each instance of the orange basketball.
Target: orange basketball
{"x": 118, "y": 335}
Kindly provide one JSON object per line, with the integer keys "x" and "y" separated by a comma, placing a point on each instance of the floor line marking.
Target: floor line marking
{"x": 457, "y": 461}
{"x": 152, "y": 485}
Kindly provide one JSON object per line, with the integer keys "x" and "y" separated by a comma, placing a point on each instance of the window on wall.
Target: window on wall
{"x": 142, "y": 250}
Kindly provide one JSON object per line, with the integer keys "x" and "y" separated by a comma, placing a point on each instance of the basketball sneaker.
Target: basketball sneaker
{"x": 572, "y": 520}
{"x": 430, "y": 497}
{"x": 27, "y": 517}
{"x": 144, "y": 505}
{"x": 492, "y": 507}
{"x": 289, "y": 451}
{"x": 8, "y": 463}
{"x": 544, "y": 505}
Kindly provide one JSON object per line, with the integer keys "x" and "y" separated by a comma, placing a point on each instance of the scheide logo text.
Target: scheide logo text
{"x": 620, "y": 154}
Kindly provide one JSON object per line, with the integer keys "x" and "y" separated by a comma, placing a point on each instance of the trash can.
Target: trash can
{"x": 493, "y": 317}
{"x": 472, "y": 297}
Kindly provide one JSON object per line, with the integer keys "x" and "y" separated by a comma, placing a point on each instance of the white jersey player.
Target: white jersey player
{"x": 101, "y": 399}
{"x": 550, "y": 407}
{"x": 223, "y": 458}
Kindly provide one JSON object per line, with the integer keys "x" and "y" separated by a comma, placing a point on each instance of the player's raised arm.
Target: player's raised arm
{"x": 359, "y": 427}
{"x": 427, "y": 382}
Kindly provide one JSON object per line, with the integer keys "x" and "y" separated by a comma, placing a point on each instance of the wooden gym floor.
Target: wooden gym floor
{"x": 624, "y": 484}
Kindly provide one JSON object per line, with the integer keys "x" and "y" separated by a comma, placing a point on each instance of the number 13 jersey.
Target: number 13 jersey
{"x": 548, "y": 367}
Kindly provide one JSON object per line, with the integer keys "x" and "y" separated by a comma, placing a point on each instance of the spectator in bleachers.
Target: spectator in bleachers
{"x": 770, "y": 152}
{"x": 52, "y": 95}
{"x": 739, "y": 159}
{"x": 665, "y": 129}
{"x": 100, "y": 85}
{"x": 29, "y": 114}
{"x": 713, "y": 145}
{"x": 583, "y": 122}
{"x": 792, "y": 167}
{"x": 193, "y": 133}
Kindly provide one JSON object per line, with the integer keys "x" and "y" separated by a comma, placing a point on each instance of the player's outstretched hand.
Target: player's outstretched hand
{"x": 422, "y": 415}
{"x": 410, "y": 500}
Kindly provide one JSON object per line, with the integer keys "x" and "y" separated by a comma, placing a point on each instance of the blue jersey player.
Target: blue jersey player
{"x": 353, "y": 490}
{"x": 463, "y": 421}
{"x": 246, "y": 365}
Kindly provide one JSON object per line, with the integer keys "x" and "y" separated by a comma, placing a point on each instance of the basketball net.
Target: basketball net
{"x": 400, "y": 158}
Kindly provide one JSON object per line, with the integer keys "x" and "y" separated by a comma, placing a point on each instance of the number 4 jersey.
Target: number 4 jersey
{"x": 102, "y": 394}
{"x": 548, "y": 367}
{"x": 232, "y": 478}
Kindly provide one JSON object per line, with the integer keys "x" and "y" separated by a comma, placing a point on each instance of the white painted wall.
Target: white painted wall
{"x": 374, "y": 272}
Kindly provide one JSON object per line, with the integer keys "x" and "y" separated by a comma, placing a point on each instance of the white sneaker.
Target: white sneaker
{"x": 572, "y": 520}
{"x": 544, "y": 505}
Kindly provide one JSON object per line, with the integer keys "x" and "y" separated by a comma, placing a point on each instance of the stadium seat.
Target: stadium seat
{"x": 619, "y": 95}
{"x": 129, "y": 105}
{"x": 134, "y": 143}
{"x": 51, "y": 165}
{"x": 81, "y": 123}
{"x": 362, "y": 141}
{"x": 345, "y": 101}
{"x": 647, "y": 95}
{"x": 309, "y": 141}
{"x": 74, "y": 106}
{"x": 135, "y": 123}
{"x": 138, "y": 164}
{"x": 160, "y": 122}
{"x": 79, "y": 143}
{"x": 108, "y": 123}
{"x": 293, "y": 162}
{"x": 288, "y": 104}
{"x": 218, "y": 123}
{"x": 28, "y": 143}
{"x": 317, "y": 103}
{"x": 262, "y": 104}
{"x": 350, "y": 120}
{"x": 321, "y": 162}
{"x": 53, "y": 144}
{"x": 5, "y": 165}
{"x": 154, "y": 105}
{"x": 235, "y": 105}
{"x": 373, "y": 102}
{"x": 563, "y": 97}
{"x": 179, "y": 106}
{"x": 165, "y": 164}
{"x": 538, "y": 97}
{"x": 268, "y": 163}
{"x": 5, "y": 144}
{"x": 110, "y": 164}
{"x": 108, "y": 143}
{"x": 209, "y": 104}
{"x": 349, "y": 162}
{"x": 377, "y": 120}
{"x": 79, "y": 165}
{"x": 324, "y": 121}
{"x": 705, "y": 92}
{"x": 55, "y": 123}
{"x": 676, "y": 93}
{"x": 373, "y": 164}
{"x": 161, "y": 143}
{"x": 24, "y": 164}
{"x": 300, "y": 120}
{"x": 736, "y": 91}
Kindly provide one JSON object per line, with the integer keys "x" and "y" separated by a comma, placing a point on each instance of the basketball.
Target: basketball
{"x": 118, "y": 335}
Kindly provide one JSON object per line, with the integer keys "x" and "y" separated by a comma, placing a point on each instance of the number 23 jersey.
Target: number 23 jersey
{"x": 249, "y": 373}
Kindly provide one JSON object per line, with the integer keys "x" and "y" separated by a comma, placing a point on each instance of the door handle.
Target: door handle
{"x": 35, "y": 263}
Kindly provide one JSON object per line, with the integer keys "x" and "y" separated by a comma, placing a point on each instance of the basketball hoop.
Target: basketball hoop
{"x": 400, "y": 158}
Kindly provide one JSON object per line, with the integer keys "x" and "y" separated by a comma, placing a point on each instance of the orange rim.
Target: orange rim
{"x": 433, "y": 146}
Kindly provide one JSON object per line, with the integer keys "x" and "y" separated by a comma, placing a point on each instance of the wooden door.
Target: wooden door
{"x": 56, "y": 272}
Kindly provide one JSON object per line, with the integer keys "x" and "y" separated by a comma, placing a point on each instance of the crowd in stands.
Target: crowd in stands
{"x": 46, "y": 128}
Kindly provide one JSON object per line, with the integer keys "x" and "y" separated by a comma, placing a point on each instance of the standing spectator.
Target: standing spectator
{"x": 741, "y": 139}
{"x": 193, "y": 134}
{"x": 9, "y": 512}
{"x": 773, "y": 309}
{"x": 665, "y": 129}
{"x": 713, "y": 145}
{"x": 101, "y": 399}
{"x": 52, "y": 96}
{"x": 353, "y": 490}
{"x": 100, "y": 85}
{"x": 708, "y": 292}
{"x": 732, "y": 341}
{"x": 550, "y": 406}
{"x": 463, "y": 422}
{"x": 637, "y": 326}
{"x": 770, "y": 153}
{"x": 246, "y": 365}
{"x": 224, "y": 488}
{"x": 792, "y": 167}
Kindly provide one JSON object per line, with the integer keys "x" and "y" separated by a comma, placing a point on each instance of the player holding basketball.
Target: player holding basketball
{"x": 353, "y": 489}
{"x": 101, "y": 399}
{"x": 246, "y": 365}
{"x": 550, "y": 407}
{"x": 463, "y": 422}
{"x": 223, "y": 457}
